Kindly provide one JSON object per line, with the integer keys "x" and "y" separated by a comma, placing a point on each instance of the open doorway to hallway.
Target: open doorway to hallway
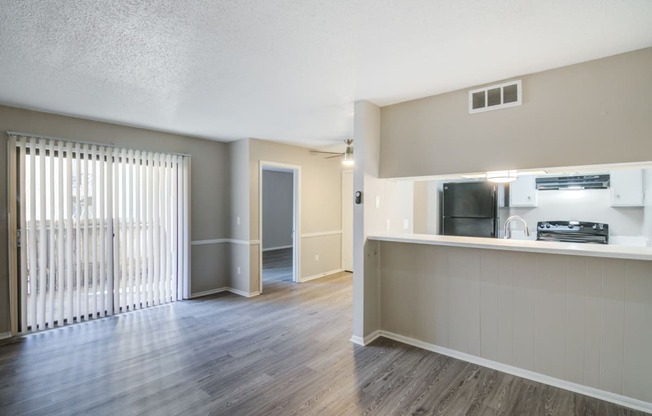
{"x": 278, "y": 229}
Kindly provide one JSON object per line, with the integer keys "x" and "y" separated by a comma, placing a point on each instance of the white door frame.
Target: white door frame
{"x": 295, "y": 170}
{"x": 12, "y": 245}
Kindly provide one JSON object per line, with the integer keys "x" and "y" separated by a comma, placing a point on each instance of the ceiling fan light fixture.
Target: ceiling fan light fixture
{"x": 348, "y": 159}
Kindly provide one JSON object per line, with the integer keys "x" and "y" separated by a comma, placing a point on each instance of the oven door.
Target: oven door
{"x": 571, "y": 237}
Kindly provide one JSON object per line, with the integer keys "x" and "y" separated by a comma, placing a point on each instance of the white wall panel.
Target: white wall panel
{"x": 592, "y": 328}
{"x": 424, "y": 288}
{"x": 612, "y": 328}
{"x": 473, "y": 301}
{"x": 458, "y": 307}
{"x": 489, "y": 287}
{"x": 550, "y": 315}
{"x": 438, "y": 266}
{"x": 637, "y": 365}
{"x": 524, "y": 325}
{"x": 398, "y": 294}
{"x": 505, "y": 351}
{"x": 575, "y": 319}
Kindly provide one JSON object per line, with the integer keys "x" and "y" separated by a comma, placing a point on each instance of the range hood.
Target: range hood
{"x": 573, "y": 182}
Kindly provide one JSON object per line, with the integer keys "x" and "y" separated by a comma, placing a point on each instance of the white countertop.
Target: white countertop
{"x": 572, "y": 249}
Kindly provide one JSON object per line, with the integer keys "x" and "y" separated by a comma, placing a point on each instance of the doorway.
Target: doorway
{"x": 279, "y": 224}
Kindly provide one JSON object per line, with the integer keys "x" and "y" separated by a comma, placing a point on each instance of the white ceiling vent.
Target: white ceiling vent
{"x": 495, "y": 97}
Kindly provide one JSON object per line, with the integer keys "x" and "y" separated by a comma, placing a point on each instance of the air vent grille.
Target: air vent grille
{"x": 495, "y": 97}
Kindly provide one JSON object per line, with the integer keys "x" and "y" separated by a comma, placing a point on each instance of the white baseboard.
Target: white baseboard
{"x": 520, "y": 372}
{"x": 208, "y": 292}
{"x": 366, "y": 340}
{"x": 5, "y": 335}
{"x": 222, "y": 289}
{"x": 243, "y": 293}
{"x": 357, "y": 340}
{"x": 317, "y": 276}
{"x": 277, "y": 248}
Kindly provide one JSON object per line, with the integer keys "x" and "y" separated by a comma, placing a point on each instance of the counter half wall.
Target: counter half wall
{"x": 582, "y": 321}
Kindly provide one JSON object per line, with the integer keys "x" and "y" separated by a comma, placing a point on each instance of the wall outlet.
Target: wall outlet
{"x": 377, "y": 201}
{"x": 387, "y": 224}
{"x": 316, "y": 257}
{"x": 406, "y": 223}
{"x": 237, "y": 220}
{"x": 238, "y": 269}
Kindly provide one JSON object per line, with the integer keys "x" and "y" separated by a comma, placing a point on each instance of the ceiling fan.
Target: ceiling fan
{"x": 347, "y": 155}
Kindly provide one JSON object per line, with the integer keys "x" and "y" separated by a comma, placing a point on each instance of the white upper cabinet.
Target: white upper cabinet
{"x": 627, "y": 188}
{"x": 523, "y": 192}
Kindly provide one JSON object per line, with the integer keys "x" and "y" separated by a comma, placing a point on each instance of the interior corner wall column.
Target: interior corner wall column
{"x": 240, "y": 217}
{"x": 366, "y": 288}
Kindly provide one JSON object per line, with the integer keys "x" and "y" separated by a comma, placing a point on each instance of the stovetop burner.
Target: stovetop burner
{"x": 573, "y": 231}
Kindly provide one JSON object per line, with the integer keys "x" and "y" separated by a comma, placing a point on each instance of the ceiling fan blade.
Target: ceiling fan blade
{"x": 334, "y": 156}
{"x": 325, "y": 153}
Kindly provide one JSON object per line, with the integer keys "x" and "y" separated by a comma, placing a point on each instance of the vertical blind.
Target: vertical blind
{"x": 102, "y": 230}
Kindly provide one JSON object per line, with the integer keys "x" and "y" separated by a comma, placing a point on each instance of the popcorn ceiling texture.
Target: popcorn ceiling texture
{"x": 286, "y": 69}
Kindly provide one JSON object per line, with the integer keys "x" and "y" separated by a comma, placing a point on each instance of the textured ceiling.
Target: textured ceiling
{"x": 282, "y": 69}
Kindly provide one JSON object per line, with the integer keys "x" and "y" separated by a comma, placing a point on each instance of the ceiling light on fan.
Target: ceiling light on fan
{"x": 348, "y": 159}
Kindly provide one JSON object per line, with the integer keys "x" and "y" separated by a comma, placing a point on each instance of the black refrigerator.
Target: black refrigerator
{"x": 470, "y": 209}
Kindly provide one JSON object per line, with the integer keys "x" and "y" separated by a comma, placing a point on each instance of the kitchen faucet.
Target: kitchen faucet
{"x": 508, "y": 233}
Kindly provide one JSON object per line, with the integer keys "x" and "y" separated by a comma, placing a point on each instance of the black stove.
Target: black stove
{"x": 573, "y": 232}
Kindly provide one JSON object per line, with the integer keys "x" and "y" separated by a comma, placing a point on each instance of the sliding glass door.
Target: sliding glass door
{"x": 98, "y": 230}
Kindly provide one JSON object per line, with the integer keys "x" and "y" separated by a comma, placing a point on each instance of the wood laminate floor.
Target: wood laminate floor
{"x": 277, "y": 266}
{"x": 286, "y": 352}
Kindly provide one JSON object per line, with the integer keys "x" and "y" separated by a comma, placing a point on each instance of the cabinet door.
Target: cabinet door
{"x": 523, "y": 192}
{"x": 626, "y": 188}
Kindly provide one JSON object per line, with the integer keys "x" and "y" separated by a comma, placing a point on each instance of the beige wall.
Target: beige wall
{"x": 239, "y": 180}
{"x": 239, "y": 230}
{"x": 580, "y": 319}
{"x": 591, "y": 113}
{"x": 209, "y": 192}
{"x": 321, "y": 204}
{"x": 321, "y": 185}
{"x": 321, "y": 195}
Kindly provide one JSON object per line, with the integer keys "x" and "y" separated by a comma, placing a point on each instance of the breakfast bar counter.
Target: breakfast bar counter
{"x": 578, "y": 316}
{"x": 531, "y": 246}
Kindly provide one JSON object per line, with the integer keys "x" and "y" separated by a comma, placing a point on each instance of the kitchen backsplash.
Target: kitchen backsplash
{"x": 593, "y": 205}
